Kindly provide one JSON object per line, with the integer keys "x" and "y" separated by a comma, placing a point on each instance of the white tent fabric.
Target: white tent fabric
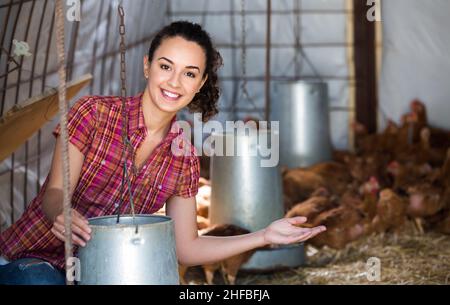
{"x": 416, "y": 59}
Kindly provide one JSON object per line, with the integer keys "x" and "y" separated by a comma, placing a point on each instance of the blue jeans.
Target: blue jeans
{"x": 31, "y": 271}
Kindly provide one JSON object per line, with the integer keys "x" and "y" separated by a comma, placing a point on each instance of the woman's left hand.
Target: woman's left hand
{"x": 283, "y": 231}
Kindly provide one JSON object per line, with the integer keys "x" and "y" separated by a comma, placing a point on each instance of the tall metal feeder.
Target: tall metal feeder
{"x": 301, "y": 107}
{"x": 249, "y": 195}
{"x": 131, "y": 252}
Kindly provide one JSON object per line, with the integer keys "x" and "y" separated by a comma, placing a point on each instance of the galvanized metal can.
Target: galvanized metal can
{"x": 132, "y": 252}
{"x": 243, "y": 192}
{"x": 302, "y": 109}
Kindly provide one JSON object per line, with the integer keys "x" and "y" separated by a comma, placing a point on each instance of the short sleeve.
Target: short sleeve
{"x": 81, "y": 124}
{"x": 188, "y": 182}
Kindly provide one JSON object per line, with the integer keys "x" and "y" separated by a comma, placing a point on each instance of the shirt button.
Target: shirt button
{"x": 103, "y": 162}
{"x": 116, "y": 205}
{"x": 145, "y": 167}
{"x": 159, "y": 187}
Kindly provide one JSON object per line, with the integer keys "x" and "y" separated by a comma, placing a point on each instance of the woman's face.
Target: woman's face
{"x": 175, "y": 73}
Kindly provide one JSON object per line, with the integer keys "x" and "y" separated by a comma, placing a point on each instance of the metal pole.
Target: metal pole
{"x": 267, "y": 78}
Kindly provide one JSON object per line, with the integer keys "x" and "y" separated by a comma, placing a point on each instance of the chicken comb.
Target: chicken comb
{"x": 393, "y": 165}
{"x": 417, "y": 105}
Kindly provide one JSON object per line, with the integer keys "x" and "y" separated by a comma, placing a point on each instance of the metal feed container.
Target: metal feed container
{"x": 242, "y": 191}
{"x": 118, "y": 254}
{"x": 302, "y": 109}
{"x": 248, "y": 195}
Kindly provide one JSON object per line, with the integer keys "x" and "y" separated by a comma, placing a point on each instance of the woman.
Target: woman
{"x": 181, "y": 71}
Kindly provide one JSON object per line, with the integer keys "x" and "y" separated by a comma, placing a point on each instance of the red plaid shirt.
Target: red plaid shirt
{"x": 94, "y": 127}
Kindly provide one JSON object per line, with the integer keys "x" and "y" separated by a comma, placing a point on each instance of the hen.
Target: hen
{"x": 424, "y": 200}
{"x": 391, "y": 211}
{"x": 230, "y": 266}
{"x": 299, "y": 184}
{"x": 312, "y": 207}
{"x": 344, "y": 224}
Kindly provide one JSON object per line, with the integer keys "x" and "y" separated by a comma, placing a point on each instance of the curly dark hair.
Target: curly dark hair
{"x": 207, "y": 99}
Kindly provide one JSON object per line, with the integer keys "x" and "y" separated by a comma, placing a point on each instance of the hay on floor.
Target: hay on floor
{"x": 405, "y": 259}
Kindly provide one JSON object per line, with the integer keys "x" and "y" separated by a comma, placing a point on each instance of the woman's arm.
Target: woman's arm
{"x": 52, "y": 204}
{"x": 198, "y": 250}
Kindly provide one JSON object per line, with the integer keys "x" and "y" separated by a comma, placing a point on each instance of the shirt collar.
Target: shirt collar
{"x": 136, "y": 114}
{"x": 136, "y": 118}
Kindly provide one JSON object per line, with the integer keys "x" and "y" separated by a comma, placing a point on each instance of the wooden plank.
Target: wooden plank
{"x": 26, "y": 118}
{"x": 350, "y": 40}
{"x": 365, "y": 67}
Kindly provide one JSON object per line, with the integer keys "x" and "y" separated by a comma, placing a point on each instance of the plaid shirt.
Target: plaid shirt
{"x": 94, "y": 127}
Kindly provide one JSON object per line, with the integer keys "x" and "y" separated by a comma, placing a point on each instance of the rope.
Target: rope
{"x": 59, "y": 14}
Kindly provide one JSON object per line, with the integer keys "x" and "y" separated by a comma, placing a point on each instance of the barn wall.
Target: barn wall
{"x": 416, "y": 60}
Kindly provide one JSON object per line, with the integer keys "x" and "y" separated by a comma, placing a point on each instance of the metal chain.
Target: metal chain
{"x": 298, "y": 30}
{"x": 63, "y": 109}
{"x": 244, "y": 60}
{"x": 244, "y": 51}
{"x": 126, "y": 142}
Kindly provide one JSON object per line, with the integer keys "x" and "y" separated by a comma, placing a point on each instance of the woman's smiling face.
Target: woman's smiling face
{"x": 175, "y": 73}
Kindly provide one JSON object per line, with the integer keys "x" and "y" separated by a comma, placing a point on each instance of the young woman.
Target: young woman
{"x": 181, "y": 71}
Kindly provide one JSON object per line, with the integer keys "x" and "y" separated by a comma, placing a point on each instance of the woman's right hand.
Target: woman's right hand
{"x": 81, "y": 232}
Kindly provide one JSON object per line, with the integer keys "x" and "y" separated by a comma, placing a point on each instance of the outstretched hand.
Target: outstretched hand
{"x": 284, "y": 231}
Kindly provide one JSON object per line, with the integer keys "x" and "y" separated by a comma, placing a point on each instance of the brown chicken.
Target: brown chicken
{"x": 424, "y": 200}
{"x": 375, "y": 143}
{"x": 365, "y": 142}
{"x": 203, "y": 199}
{"x": 443, "y": 226}
{"x": 299, "y": 184}
{"x": 363, "y": 199}
{"x": 344, "y": 224}
{"x": 335, "y": 175}
{"x": 434, "y": 156}
{"x": 391, "y": 211}
{"x": 445, "y": 172}
{"x": 202, "y": 222}
{"x": 366, "y": 166}
{"x": 230, "y": 266}
{"x": 407, "y": 175}
{"x": 312, "y": 207}
{"x": 389, "y": 138}
{"x": 439, "y": 138}
{"x": 341, "y": 155}
{"x": 182, "y": 273}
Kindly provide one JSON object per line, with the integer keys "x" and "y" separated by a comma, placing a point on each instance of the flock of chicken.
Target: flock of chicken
{"x": 399, "y": 176}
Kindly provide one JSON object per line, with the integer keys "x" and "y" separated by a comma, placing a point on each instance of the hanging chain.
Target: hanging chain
{"x": 244, "y": 60}
{"x": 122, "y": 49}
{"x": 125, "y": 139}
{"x": 298, "y": 30}
{"x": 68, "y": 246}
{"x": 244, "y": 51}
